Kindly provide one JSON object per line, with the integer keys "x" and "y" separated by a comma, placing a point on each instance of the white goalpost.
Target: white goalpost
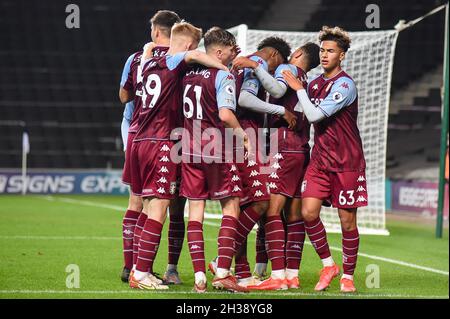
{"x": 369, "y": 61}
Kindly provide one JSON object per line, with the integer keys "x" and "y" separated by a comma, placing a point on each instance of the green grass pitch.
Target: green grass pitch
{"x": 41, "y": 235}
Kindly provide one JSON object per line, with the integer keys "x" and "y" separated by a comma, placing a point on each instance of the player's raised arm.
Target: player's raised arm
{"x": 342, "y": 94}
{"x": 274, "y": 86}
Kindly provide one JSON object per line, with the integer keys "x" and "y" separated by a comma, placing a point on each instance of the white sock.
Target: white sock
{"x": 260, "y": 268}
{"x": 278, "y": 274}
{"x": 291, "y": 273}
{"x": 171, "y": 267}
{"x": 327, "y": 262}
{"x": 200, "y": 276}
{"x": 139, "y": 275}
{"x": 222, "y": 272}
{"x": 344, "y": 276}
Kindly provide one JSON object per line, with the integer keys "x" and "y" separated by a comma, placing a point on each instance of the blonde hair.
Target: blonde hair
{"x": 336, "y": 34}
{"x": 187, "y": 29}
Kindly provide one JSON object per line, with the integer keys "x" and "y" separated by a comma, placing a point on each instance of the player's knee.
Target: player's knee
{"x": 309, "y": 215}
{"x": 135, "y": 203}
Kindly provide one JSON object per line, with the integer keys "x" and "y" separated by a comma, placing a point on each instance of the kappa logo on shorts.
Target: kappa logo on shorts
{"x": 303, "y": 186}
{"x": 161, "y": 190}
{"x": 165, "y": 148}
{"x": 361, "y": 199}
{"x": 235, "y": 178}
{"x": 251, "y": 163}
{"x": 278, "y": 156}
{"x": 258, "y": 193}
{"x": 254, "y": 173}
{"x": 164, "y": 159}
{"x": 173, "y": 188}
{"x": 164, "y": 170}
{"x": 361, "y": 189}
{"x": 236, "y": 188}
{"x": 276, "y": 165}
{"x": 233, "y": 168}
{"x": 274, "y": 175}
{"x": 162, "y": 180}
{"x": 256, "y": 183}
{"x": 361, "y": 178}
{"x": 273, "y": 185}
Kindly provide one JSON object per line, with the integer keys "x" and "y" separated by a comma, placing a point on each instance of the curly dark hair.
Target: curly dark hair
{"x": 278, "y": 44}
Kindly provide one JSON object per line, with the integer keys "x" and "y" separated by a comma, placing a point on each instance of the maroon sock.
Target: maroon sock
{"x": 226, "y": 241}
{"x": 137, "y": 235}
{"x": 294, "y": 244}
{"x": 318, "y": 237}
{"x": 196, "y": 245}
{"x": 350, "y": 245}
{"x": 148, "y": 245}
{"x": 261, "y": 252}
{"x": 275, "y": 241}
{"x": 176, "y": 237}
{"x": 247, "y": 219}
{"x": 129, "y": 223}
{"x": 242, "y": 268}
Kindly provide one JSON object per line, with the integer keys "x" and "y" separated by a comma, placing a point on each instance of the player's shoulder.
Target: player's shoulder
{"x": 225, "y": 75}
{"x": 258, "y": 59}
{"x": 345, "y": 82}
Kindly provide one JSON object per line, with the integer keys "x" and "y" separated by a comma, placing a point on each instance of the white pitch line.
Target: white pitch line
{"x": 374, "y": 257}
{"x": 278, "y": 293}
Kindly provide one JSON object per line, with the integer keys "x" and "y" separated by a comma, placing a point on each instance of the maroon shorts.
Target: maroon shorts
{"x": 341, "y": 189}
{"x": 210, "y": 181}
{"x": 126, "y": 174}
{"x": 254, "y": 182}
{"x": 290, "y": 167}
{"x": 153, "y": 174}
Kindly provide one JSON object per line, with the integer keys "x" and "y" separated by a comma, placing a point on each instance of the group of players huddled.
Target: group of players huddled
{"x": 183, "y": 107}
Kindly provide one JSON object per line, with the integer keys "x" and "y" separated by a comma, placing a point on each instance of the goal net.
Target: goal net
{"x": 369, "y": 62}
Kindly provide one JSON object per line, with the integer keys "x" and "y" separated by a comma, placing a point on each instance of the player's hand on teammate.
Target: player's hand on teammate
{"x": 290, "y": 118}
{"x": 236, "y": 50}
{"x": 243, "y": 62}
{"x": 293, "y": 82}
{"x": 148, "y": 50}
